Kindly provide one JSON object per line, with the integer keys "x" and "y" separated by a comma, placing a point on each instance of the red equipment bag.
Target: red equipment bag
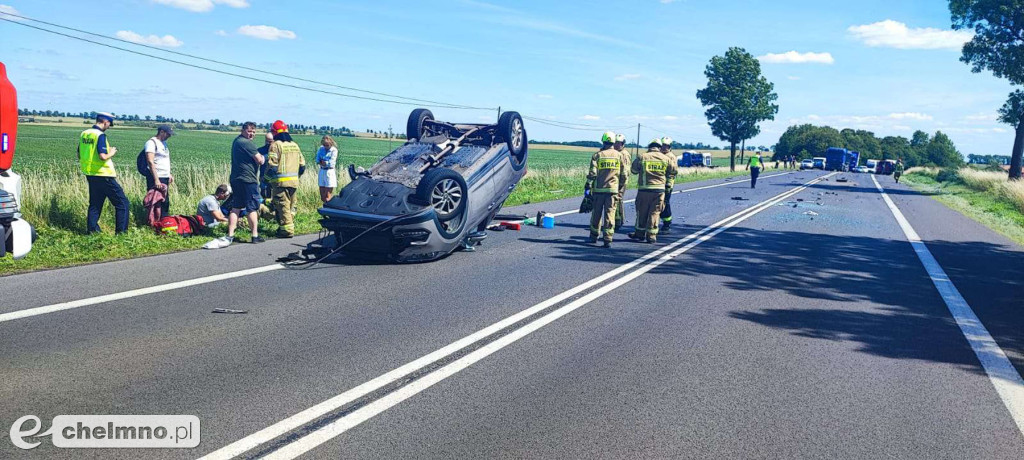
{"x": 8, "y": 120}
{"x": 180, "y": 225}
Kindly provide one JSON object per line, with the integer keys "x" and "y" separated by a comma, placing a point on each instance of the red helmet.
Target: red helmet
{"x": 279, "y": 127}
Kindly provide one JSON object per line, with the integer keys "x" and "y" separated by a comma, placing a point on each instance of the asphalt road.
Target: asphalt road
{"x": 776, "y": 333}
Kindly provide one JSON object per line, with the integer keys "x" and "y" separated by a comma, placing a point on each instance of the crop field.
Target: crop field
{"x": 55, "y": 196}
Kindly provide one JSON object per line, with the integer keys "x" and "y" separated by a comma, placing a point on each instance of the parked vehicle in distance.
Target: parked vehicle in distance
{"x": 863, "y": 169}
{"x": 853, "y": 161}
{"x": 837, "y": 159}
{"x": 819, "y": 162}
{"x": 871, "y": 164}
{"x": 694, "y": 160}
{"x": 806, "y": 164}
{"x": 885, "y": 167}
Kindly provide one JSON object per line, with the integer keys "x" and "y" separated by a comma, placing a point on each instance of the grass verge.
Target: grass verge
{"x": 977, "y": 195}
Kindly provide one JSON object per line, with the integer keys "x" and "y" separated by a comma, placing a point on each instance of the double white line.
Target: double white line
{"x": 305, "y": 442}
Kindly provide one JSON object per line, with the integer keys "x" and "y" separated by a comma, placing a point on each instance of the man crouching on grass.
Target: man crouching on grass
{"x": 245, "y": 186}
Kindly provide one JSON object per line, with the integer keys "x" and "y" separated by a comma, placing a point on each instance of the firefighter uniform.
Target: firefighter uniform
{"x": 607, "y": 171}
{"x": 654, "y": 172}
{"x": 898, "y": 171}
{"x": 285, "y": 165}
{"x": 666, "y": 211}
{"x": 627, "y": 159}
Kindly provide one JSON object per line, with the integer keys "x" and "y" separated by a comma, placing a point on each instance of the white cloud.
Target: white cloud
{"x": 793, "y": 57}
{"x": 901, "y": 127}
{"x": 545, "y": 96}
{"x": 910, "y": 116}
{"x": 628, "y": 76}
{"x": 167, "y": 41}
{"x": 982, "y": 117}
{"x": 892, "y": 34}
{"x": 266, "y": 32}
{"x": 10, "y": 10}
{"x": 202, "y": 6}
{"x": 221, "y": 33}
{"x": 49, "y": 73}
{"x": 590, "y": 117}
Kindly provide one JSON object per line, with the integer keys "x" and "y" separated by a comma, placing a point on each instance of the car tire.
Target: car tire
{"x": 513, "y": 132}
{"x": 445, "y": 191}
{"x": 414, "y": 127}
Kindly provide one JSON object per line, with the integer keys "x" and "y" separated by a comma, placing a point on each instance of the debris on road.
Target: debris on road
{"x": 496, "y": 228}
{"x": 740, "y": 198}
{"x": 810, "y": 213}
{"x": 511, "y": 226}
{"x": 799, "y": 199}
{"x": 230, "y": 311}
{"x": 842, "y": 179}
{"x": 509, "y": 217}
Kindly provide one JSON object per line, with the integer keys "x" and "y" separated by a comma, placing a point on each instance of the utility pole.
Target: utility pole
{"x": 389, "y": 137}
{"x": 499, "y": 112}
{"x": 636, "y": 150}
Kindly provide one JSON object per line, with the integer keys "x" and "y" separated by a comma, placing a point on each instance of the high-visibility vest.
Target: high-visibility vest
{"x": 755, "y": 162}
{"x": 287, "y": 158}
{"x": 89, "y": 158}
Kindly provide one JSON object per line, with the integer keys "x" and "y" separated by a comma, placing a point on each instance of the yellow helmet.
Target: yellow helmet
{"x": 620, "y": 138}
{"x": 666, "y": 141}
{"x": 608, "y": 137}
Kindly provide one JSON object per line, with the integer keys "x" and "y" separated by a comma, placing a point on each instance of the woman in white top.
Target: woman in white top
{"x": 327, "y": 159}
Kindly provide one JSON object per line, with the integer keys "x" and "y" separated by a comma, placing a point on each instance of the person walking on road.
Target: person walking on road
{"x": 245, "y": 186}
{"x": 606, "y": 172}
{"x": 286, "y": 165}
{"x": 620, "y": 146}
{"x": 754, "y": 166}
{"x": 94, "y": 159}
{"x": 666, "y": 211}
{"x": 898, "y": 170}
{"x": 327, "y": 159}
{"x": 653, "y": 170}
{"x": 158, "y": 158}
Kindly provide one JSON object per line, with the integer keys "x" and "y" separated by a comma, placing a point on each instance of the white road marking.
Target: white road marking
{"x": 20, "y": 314}
{"x": 364, "y": 413}
{"x": 133, "y": 293}
{"x": 1000, "y": 370}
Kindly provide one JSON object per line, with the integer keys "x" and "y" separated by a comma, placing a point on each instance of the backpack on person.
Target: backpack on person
{"x": 180, "y": 225}
{"x": 142, "y": 163}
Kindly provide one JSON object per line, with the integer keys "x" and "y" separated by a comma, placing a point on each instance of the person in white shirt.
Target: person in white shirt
{"x": 159, "y": 159}
{"x": 210, "y": 207}
{"x": 327, "y": 160}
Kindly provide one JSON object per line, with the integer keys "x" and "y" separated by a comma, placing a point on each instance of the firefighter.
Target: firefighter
{"x": 285, "y": 165}
{"x": 620, "y": 145}
{"x": 607, "y": 171}
{"x": 666, "y": 212}
{"x": 898, "y": 170}
{"x": 653, "y": 170}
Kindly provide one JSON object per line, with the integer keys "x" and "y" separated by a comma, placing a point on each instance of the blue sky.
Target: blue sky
{"x": 889, "y": 67}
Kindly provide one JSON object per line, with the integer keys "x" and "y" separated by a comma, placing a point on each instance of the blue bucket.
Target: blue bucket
{"x": 547, "y": 222}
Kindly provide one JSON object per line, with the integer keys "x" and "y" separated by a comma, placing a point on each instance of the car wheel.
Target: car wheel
{"x": 511, "y": 129}
{"x": 414, "y": 128}
{"x": 445, "y": 191}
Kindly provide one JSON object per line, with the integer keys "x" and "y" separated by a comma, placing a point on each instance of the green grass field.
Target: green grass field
{"x": 55, "y": 196}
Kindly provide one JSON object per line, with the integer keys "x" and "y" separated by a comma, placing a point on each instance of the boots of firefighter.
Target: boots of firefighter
{"x": 638, "y": 235}
{"x": 666, "y": 226}
{"x": 607, "y": 244}
{"x": 652, "y": 237}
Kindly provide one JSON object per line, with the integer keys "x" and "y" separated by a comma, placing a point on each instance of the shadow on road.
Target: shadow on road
{"x": 912, "y": 323}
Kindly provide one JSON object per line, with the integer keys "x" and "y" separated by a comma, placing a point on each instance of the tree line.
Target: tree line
{"x": 214, "y": 124}
{"x": 807, "y": 141}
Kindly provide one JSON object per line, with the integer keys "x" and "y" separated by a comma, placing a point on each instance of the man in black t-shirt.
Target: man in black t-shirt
{"x": 245, "y": 182}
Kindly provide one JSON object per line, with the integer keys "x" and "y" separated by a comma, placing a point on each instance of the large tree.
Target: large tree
{"x": 738, "y": 97}
{"x": 1013, "y": 113}
{"x": 998, "y": 46}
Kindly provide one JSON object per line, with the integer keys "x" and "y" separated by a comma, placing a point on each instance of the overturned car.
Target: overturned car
{"x": 432, "y": 195}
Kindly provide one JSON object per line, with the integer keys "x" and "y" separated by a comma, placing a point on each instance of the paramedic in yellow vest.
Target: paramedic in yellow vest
{"x": 286, "y": 164}
{"x": 94, "y": 155}
{"x": 654, "y": 171}
{"x": 620, "y": 145}
{"x": 607, "y": 171}
{"x": 754, "y": 165}
{"x": 666, "y": 209}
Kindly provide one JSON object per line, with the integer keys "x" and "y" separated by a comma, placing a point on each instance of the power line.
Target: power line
{"x": 573, "y": 126}
{"x": 247, "y": 77}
